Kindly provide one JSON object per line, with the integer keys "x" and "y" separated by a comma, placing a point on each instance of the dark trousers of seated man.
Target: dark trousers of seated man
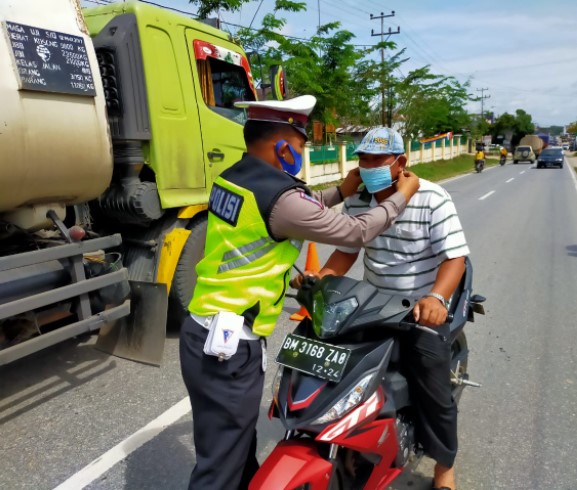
{"x": 427, "y": 364}
{"x": 225, "y": 398}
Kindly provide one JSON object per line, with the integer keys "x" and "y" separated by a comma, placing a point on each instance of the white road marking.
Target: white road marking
{"x": 521, "y": 173}
{"x": 119, "y": 452}
{"x": 486, "y": 195}
{"x": 571, "y": 171}
{"x": 507, "y": 181}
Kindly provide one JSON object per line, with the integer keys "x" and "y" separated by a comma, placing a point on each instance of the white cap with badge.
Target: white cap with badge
{"x": 292, "y": 111}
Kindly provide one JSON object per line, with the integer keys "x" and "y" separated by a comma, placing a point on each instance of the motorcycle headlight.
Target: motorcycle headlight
{"x": 351, "y": 399}
{"x": 327, "y": 318}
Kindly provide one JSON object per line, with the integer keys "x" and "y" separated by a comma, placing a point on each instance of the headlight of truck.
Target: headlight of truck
{"x": 328, "y": 318}
{"x": 347, "y": 402}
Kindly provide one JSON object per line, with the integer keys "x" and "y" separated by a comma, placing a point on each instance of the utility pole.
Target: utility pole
{"x": 390, "y": 94}
{"x": 483, "y": 97}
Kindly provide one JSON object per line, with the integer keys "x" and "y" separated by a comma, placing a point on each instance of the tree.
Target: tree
{"x": 327, "y": 66}
{"x": 346, "y": 79}
{"x": 524, "y": 124}
{"x": 429, "y": 104}
{"x": 572, "y": 128}
{"x": 205, "y": 7}
{"x": 518, "y": 126}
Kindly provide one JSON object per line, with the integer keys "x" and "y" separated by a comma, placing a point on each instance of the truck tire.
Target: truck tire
{"x": 184, "y": 279}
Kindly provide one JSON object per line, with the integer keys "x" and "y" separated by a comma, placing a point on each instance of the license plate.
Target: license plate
{"x": 310, "y": 356}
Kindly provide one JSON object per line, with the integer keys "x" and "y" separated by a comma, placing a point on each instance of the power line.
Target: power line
{"x": 254, "y": 16}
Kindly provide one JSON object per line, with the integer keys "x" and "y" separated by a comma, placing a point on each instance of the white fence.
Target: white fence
{"x": 330, "y": 172}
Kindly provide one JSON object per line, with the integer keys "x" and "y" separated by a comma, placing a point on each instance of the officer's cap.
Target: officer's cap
{"x": 292, "y": 111}
{"x": 381, "y": 141}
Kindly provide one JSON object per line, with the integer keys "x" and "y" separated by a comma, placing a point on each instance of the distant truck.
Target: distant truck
{"x": 536, "y": 142}
{"x": 114, "y": 122}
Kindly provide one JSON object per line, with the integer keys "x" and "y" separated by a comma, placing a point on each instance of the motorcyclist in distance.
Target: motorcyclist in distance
{"x": 479, "y": 158}
{"x": 503, "y": 152}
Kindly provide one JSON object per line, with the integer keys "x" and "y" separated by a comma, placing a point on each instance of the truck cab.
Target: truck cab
{"x": 170, "y": 83}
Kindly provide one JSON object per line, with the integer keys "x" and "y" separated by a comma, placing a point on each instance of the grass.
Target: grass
{"x": 434, "y": 171}
{"x": 445, "y": 169}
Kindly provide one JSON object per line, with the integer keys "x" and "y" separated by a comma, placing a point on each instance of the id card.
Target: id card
{"x": 223, "y": 335}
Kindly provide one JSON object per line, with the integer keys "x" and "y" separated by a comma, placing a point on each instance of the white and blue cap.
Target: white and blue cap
{"x": 381, "y": 141}
{"x": 294, "y": 111}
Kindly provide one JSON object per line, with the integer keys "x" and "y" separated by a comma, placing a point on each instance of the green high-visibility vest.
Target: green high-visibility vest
{"x": 245, "y": 270}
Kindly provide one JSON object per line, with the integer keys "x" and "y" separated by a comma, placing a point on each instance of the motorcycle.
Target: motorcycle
{"x": 340, "y": 391}
{"x": 502, "y": 160}
{"x": 479, "y": 165}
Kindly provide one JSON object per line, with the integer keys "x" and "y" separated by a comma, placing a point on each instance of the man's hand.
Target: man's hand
{"x": 297, "y": 281}
{"x": 408, "y": 184}
{"x": 430, "y": 312}
{"x": 351, "y": 183}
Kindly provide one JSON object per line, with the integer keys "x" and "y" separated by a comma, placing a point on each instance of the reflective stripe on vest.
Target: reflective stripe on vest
{"x": 245, "y": 259}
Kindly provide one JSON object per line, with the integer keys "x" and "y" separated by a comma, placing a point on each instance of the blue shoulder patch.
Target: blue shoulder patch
{"x": 225, "y": 204}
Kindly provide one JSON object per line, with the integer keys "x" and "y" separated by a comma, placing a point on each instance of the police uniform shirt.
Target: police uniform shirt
{"x": 297, "y": 215}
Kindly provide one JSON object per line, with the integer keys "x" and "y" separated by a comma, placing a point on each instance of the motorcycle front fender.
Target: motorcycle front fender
{"x": 291, "y": 464}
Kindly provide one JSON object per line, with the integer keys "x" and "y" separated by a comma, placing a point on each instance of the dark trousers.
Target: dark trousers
{"x": 225, "y": 398}
{"x": 428, "y": 370}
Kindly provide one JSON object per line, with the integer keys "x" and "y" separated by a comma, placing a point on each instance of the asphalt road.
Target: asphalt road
{"x": 70, "y": 405}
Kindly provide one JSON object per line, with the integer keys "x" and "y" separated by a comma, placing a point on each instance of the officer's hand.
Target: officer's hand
{"x": 297, "y": 281}
{"x": 408, "y": 183}
{"x": 430, "y": 312}
{"x": 351, "y": 182}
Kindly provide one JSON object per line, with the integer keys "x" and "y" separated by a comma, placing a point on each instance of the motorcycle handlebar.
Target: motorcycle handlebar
{"x": 430, "y": 330}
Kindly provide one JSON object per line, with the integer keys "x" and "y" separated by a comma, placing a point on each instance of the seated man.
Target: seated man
{"x": 422, "y": 255}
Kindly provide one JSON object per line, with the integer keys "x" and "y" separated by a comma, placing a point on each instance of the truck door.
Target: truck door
{"x": 222, "y": 77}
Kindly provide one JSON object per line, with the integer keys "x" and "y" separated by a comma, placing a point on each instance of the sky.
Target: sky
{"x": 519, "y": 54}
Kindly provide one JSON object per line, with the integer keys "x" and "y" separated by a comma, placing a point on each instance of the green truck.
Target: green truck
{"x": 114, "y": 123}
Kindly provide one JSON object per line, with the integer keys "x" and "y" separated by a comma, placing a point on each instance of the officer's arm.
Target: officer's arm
{"x": 335, "y": 195}
{"x": 297, "y": 215}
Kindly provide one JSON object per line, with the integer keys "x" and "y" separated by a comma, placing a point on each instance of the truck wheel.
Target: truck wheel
{"x": 184, "y": 278}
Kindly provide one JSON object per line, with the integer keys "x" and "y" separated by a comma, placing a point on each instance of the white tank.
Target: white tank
{"x": 55, "y": 146}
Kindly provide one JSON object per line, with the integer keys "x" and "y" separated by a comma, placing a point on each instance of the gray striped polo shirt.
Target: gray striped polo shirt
{"x": 405, "y": 258}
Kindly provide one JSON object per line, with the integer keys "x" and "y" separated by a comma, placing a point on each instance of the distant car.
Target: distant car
{"x": 551, "y": 157}
{"x": 524, "y": 154}
{"x": 565, "y": 146}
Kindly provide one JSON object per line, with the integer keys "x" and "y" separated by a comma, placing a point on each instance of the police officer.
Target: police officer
{"x": 259, "y": 213}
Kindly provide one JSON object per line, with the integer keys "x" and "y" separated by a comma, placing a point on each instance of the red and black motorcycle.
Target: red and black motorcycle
{"x": 340, "y": 392}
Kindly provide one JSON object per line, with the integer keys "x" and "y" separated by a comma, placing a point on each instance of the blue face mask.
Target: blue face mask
{"x": 291, "y": 168}
{"x": 377, "y": 178}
